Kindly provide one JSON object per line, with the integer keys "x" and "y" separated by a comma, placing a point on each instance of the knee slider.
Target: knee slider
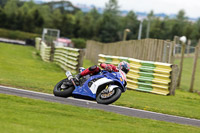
{"x": 92, "y": 68}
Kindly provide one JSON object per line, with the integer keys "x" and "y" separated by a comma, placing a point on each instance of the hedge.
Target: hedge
{"x": 18, "y": 35}
{"x": 79, "y": 42}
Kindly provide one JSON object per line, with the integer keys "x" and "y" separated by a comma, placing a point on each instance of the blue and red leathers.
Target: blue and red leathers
{"x": 95, "y": 69}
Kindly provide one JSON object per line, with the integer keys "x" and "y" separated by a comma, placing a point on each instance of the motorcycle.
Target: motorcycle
{"x": 105, "y": 87}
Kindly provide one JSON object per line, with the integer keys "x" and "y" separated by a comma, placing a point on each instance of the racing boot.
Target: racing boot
{"x": 77, "y": 77}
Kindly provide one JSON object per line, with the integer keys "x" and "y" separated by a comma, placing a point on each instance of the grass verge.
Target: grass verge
{"x": 22, "y": 115}
{"x": 21, "y": 67}
{"x": 187, "y": 74}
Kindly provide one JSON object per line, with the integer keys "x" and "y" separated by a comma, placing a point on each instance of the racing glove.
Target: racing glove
{"x": 108, "y": 68}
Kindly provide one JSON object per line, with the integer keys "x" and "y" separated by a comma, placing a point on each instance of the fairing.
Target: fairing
{"x": 103, "y": 78}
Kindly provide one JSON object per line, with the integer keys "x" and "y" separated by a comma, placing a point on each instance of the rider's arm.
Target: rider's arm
{"x": 114, "y": 68}
{"x": 108, "y": 67}
{"x": 103, "y": 65}
{"x": 91, "y": 70}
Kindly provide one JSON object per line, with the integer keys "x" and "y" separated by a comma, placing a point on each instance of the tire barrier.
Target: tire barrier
{"x": 70, "y": 59}
{"x": 146, "y": 76}
{"x": 38, "y": 43}
{"x": 45, "y": 52}
{"x": 67, "y": 58}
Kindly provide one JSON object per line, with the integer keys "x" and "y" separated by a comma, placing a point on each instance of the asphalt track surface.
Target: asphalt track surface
{"x": 91, "y": 104}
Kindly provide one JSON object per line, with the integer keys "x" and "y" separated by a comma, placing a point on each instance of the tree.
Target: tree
{"x": 112, "y": 7}
{"x": 150, "y": 16}
{"x": 130, "y": 22}
{"x": 3, "y": 17}
{"x": 181, "y": 16}
{"x": 157, "y": 29}
{"x": 46, "y": 15}
{"x": 11, "y": 7}
{"x": 94, "y": 24}
{"x": 188, "y": 29}
{"x": 109, "y": 24}
{"x": 86, "y": 26}
{"x": 38, "y": 20}
{"x": 24, "y": 9}
{"x": 56, "y": 18}
{"x": 2, "y": 3}
{"x": 179, "y": 24}
{"x": 67, "y": 24}
{"x": 19, "y": 20}
{"x": 77, "y": 26}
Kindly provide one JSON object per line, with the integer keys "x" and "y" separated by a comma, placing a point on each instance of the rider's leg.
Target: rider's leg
{"x": 91, "y": 70}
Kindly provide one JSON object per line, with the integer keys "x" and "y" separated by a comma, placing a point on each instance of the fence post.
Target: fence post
{"x": 176, "y": 39}
{"x": 80, "y": 58}
{"x": 52, "y": 51}
{"x": 194, "y": 68}
{"x": 181, "y": 63}
{"x": 40, "y": 44}
{"x": 171, "y": 53}
{"x": 125, "y": 34}
{"x": 188, "y": 47}
{"x": 164, "y": 52}
{"x": 174, "y": 76}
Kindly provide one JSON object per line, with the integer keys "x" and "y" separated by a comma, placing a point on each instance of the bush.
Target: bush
{"x": 19, "y": 35}
{"x": 79, "y": 42}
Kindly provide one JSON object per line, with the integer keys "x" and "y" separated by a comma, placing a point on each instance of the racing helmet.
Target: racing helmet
{"x": 124, "y": 66}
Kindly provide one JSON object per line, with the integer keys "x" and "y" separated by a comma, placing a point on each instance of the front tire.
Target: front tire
{"x": 58, "y": 91}
{"x": 103, "y": 100}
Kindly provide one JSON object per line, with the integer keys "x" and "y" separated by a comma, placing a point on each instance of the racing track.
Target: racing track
{"x": 90, "y": 104}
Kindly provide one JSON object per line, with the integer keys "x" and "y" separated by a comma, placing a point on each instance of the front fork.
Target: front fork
{"x": 70, "y": 77}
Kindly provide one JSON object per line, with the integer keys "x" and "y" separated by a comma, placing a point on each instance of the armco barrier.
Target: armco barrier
{"x": 67, "y": 58}
{"x": 146, "y": 76}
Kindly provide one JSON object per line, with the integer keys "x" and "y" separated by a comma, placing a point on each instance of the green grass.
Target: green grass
{"x": 87, "y": 63}
{"x": 21, "y": 67}
{"x": 187, "y": 74}
{"x": 22, "y": 115}
{"x": 182, "y": 104}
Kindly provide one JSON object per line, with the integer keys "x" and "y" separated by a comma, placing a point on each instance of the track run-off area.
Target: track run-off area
{"x": 91, "y": 104}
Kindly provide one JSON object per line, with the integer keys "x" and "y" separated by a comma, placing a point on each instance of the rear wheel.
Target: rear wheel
{"x": 106, "y": 97}
{"x": 65, "y": 91}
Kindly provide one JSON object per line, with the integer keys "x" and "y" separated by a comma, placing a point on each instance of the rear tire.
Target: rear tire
{"x": 110, "y": 100}
{"x": 58, "y": 91}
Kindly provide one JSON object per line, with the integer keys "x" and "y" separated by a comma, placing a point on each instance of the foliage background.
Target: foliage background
{"x": 106, "y": 27}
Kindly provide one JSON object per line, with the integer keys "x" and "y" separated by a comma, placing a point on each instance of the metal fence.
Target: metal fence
{"x": 189, "y": 51}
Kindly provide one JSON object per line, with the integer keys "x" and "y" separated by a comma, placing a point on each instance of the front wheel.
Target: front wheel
{"x": 105, "y": 97}
{"x": 63, "y": 92}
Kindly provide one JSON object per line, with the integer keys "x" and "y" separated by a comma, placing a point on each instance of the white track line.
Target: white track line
{"x": 12, "y": 88}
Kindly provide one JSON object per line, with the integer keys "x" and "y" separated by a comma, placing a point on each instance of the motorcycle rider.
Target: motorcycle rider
{"x": 124, "y": 66}
{"x": 93, "y": 70}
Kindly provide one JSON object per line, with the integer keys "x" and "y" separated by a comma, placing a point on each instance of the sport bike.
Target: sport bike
{"x": 105, "y": 87}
